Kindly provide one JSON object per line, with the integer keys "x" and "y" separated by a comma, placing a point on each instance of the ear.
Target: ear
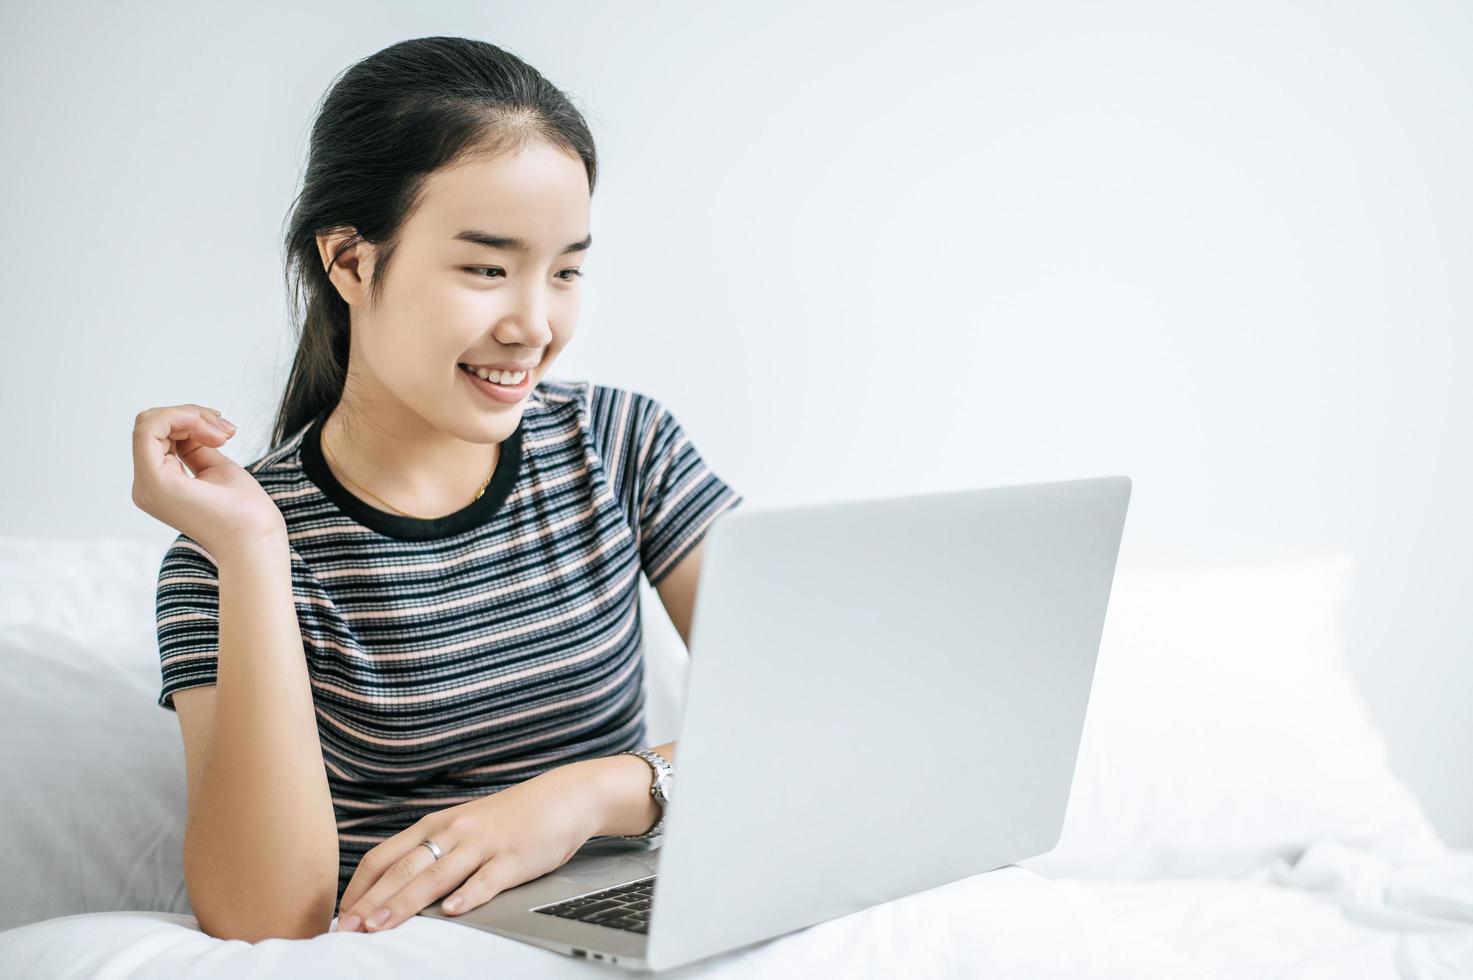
{"x": 354, "y": 262}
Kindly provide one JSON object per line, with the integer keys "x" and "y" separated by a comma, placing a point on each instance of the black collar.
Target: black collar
{"x": 472, "y": 515}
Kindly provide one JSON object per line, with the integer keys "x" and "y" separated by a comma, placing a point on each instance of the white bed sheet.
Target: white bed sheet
{"x": 1243, "y": 930}
{"x": 1336, "y": 913}
{"x": 1005, "y": 923}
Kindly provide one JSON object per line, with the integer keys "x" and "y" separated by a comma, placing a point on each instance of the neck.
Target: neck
{"x": 416, "y": 469}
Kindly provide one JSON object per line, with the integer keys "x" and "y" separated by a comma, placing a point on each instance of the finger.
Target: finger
{"x": 193, "y": 456}
{"x": 433, "y": 882}
{"x": 187, "y": 431}
{"x": 493, "y": 878}
{"x": 386, "y": 868}
{"x": 407, "y": 876}
{"x": 363, "y": 879}
{"x": 378, "y": 858}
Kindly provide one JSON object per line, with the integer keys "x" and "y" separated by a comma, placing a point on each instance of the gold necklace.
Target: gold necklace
{"x": 381, "y": 500}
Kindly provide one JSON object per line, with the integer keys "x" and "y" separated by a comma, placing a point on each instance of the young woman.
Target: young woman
{"x": 404, "y": 643}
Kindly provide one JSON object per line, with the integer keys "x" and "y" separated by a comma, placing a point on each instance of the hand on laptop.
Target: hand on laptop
{"x": 486, "y": 846}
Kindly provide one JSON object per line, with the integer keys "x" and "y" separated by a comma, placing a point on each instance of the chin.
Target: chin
{"x": 505, "y": 422}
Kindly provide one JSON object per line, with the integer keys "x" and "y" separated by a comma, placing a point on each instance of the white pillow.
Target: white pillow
{"x": 93, "y": 800}
{"x": 1224, "y": 731}
{"x": 87, "y": 588}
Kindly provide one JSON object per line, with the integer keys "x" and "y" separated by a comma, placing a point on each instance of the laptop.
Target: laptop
{"x": 884, "y": 696}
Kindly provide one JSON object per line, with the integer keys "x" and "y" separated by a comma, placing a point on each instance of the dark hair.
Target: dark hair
{"x": 387, "y": 124}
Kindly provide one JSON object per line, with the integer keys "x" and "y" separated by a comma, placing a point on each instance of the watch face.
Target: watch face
{"x": 665, "y": 784}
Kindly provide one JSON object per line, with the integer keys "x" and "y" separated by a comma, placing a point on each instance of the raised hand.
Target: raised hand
{"x": 221, "y": 506}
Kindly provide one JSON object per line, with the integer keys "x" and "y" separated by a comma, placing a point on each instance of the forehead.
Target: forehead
{"x": 539, "y": 193}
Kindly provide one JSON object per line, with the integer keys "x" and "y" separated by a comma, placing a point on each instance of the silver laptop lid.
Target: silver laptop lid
{"x": 884, "y": 696}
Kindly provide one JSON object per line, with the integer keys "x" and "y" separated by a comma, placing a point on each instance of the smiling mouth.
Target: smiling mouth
{"x": 509, "y": 394}
{"x": 526, "y": 373}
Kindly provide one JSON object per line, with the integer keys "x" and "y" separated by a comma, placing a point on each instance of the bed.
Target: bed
{"x": 1232, "y": 815}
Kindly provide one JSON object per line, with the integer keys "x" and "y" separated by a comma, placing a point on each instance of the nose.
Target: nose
{"x": 527, "y": 326}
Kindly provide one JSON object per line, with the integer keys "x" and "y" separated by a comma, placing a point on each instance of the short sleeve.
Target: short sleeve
{"x": 188, "y": 618}
{"x": 678, "y": 496}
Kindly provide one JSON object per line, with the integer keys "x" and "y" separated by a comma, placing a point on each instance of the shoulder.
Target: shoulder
{"x": 183, "y": 556}
{"x": 607, "y": 412}
{"x": 282, "y": 459}
{"x": 587, "y": 394}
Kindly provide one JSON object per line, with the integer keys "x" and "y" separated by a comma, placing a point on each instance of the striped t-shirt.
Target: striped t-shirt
{"x": 454, "y": 657}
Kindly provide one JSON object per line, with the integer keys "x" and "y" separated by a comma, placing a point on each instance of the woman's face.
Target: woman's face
{"x": 450, "y": 300}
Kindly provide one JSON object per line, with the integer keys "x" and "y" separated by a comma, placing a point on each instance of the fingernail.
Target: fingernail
{"x": 378, "y": 918}
{"x": 349, "y": 924}
{"x": 452, "y": 903}
{"x": 219, "y": 421}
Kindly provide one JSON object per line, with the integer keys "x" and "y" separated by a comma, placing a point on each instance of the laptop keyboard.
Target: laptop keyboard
{"x": 625, "y": 906}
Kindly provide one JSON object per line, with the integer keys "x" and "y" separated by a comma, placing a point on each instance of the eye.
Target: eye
{"x": 577, "y": 273}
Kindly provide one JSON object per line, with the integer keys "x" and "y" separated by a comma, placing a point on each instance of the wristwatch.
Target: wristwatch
{"x": 661, "y": 784}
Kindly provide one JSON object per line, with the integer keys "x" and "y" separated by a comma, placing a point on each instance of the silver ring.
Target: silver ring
{"x": 433, "y": 849}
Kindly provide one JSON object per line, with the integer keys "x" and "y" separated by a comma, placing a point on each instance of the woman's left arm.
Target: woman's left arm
{"x": 628, "y": 808}
{"x": 500, "y": 840}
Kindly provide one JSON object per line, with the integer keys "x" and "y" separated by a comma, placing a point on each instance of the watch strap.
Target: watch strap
{"x": 659, "y": 766}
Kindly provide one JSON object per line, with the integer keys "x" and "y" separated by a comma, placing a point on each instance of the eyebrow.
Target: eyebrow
{"x": 511, "y": 243}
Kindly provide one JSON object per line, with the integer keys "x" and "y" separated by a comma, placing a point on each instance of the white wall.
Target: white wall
{"x": 1223, "y": 249}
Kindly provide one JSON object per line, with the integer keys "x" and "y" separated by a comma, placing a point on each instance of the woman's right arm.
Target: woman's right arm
{"x": 260, "y": 839}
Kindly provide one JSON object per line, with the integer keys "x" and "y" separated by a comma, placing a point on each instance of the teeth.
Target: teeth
{"x": 499, "y": 377}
